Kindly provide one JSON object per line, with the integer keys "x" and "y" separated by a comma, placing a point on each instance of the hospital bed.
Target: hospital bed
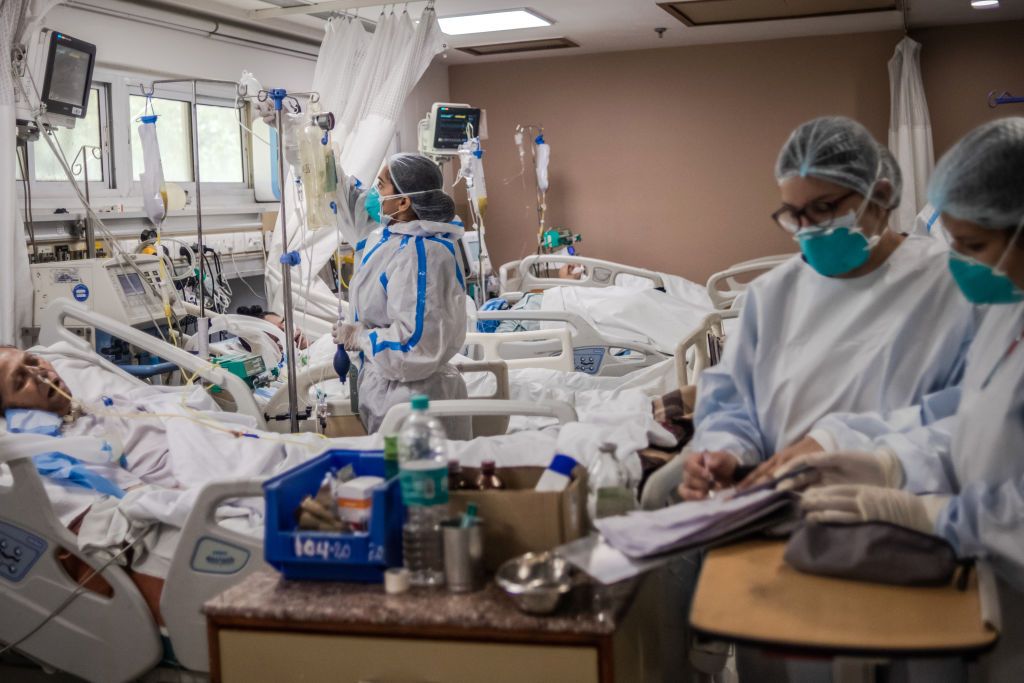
{"x": 115, "y": 638}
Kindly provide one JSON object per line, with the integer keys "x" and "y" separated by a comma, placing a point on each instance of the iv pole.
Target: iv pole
{"x": 288, "y": 258}
{"x": 202, "y": 323}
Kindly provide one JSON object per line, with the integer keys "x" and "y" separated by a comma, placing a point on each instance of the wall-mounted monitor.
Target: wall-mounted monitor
{"x": 68, "y": 80}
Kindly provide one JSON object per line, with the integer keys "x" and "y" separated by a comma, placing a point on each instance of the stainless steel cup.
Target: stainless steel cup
{"x": 463, "y": 555}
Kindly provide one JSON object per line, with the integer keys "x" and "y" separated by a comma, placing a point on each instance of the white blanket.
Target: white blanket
{"x": 644, "y": 315}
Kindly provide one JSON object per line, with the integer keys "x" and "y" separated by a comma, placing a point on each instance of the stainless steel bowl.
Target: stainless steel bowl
{"x": 536, "y": 582}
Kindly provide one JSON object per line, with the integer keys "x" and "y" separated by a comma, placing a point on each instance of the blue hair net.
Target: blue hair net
{"x": 981, "y": 179}
{"x": 838, "y": 150}
{"x": 421, "y": 179}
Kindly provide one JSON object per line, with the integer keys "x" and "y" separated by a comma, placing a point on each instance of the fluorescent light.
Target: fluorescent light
{"x": 504, "y": 20}
{"x": 984, "y": 4}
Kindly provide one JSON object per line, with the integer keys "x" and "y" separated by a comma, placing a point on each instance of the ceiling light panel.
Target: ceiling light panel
{"x": 489, "y": 22}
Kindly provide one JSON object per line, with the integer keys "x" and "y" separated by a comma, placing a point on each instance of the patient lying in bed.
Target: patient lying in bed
{"x": 175, "y": 440}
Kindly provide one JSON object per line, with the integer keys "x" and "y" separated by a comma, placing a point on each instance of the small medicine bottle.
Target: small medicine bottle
{"x": 488, "y": 479}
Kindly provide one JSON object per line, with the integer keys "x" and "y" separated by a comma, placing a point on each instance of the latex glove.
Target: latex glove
{"x": 881, "y": 468}
{"x": 850, "y": 504}
{"x": 773, "y": 465}
{"x": 347, "y": 335}
{"x": 705, "y": 472}
{"x": 265, "y": 110}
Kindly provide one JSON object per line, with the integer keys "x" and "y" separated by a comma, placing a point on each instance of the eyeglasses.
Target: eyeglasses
{"x": 819, "y": 213}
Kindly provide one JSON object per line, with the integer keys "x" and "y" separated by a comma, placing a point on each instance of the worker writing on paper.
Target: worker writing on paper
{"x": 408, "y": 291}
{"x": 863, "y": 320}
{"x": 971, "y": 465}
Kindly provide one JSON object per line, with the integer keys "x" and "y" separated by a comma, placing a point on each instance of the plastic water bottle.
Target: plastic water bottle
{"x": 423, "y": 473}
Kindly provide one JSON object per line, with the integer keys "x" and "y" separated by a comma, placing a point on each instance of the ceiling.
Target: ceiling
{"x": 615, "y": 25}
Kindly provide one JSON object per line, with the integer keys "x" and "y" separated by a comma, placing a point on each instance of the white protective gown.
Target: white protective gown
{"x": 984, "y": 468}
{"x": 809, "y": 345}
{"x": 408, "y": 292}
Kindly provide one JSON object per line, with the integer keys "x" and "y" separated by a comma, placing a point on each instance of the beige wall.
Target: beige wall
{"x": 960, "y": 65}
{"x": 663, "y": 158}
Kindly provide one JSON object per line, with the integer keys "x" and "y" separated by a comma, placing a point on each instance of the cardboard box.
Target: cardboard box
{"x": 519, "y": 520}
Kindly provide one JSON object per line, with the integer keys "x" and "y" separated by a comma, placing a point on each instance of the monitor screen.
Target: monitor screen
{"x": 70, "y": 81}
{"x": 131, "y": 283}
{"x": 450, "y": 126}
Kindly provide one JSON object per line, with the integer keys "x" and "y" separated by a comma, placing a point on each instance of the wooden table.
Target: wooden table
{"x": 270, "y": 629}
{"x": 748, "y": 594}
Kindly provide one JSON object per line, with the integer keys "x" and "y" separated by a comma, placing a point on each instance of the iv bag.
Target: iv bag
{"x": 543, "y": 157}
{"x": 154, "y": 202}
{"x": 471, "y": 168}
{"x": 319, "y": 175}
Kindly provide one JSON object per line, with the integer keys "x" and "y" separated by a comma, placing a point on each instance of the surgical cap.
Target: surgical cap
{"x": 835, "y": 149}
{"x": 415, "y": 173}
{"x": 981, "y": 179}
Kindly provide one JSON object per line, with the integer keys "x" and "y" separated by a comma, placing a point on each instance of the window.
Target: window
{"x": 87, "y": 131}
{"x": 173, "y": 131}
{"x": 220, "y": 144}
{"x": 220, "y": 141}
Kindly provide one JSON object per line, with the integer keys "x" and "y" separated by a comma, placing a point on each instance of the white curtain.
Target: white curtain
{"x": 19, "y": 20}
{"x": 910, "y": 131}
{"x": 364, "y": 79}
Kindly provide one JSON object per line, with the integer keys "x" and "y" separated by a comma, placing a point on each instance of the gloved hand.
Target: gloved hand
{"x": 771, "y": 467}
{"x": 265, "y": 110}
{"x": 850, "y": 504}
{"x": 881, "y": 468}
{"x": 347, "y": 335}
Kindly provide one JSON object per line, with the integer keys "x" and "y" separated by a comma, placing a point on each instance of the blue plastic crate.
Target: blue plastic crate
{"x": 324, "y": 556}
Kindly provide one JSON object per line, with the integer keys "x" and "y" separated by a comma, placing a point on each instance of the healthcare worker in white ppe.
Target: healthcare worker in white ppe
{"x": 407, "y": 296}
{"x": 864, "y": 319}
{"x": 973, "y": 484}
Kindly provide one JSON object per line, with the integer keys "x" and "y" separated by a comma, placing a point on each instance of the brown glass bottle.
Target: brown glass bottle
{"x": 488, "y": 479}
{"x": 456, "y": 480}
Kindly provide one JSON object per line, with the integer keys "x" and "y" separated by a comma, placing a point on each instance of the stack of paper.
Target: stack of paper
{"x": 645, "y": 534}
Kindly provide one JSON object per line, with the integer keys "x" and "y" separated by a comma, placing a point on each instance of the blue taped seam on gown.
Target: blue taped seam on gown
{"x": 451, "y": 248}
{"x": 421, "y": 301}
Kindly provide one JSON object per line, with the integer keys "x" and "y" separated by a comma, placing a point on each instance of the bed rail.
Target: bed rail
{"x": 723, "y": 299}
{"x": 598, "y": 273}
{"x": 54, "y": 329}
{"x": 559, "y": 410}
{"x": 95, "y": 637}
{"x": 592, "y": 351}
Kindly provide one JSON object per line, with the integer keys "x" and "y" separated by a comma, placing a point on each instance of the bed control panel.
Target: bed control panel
{"x": 19, "y": 550}
{"x": 588, "y": 359}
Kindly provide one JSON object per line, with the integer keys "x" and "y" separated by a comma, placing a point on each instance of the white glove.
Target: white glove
{"x": 265, "y": 110}
{"x": 347, "y": 335}
{"x": 852, "y": 503}
{"x": 881, "y": 468}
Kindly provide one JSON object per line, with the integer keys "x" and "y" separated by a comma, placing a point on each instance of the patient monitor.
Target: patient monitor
{"x": 68, "y": 79}
{"x": 108, "y": 286}
{"x": 444, "y": 129}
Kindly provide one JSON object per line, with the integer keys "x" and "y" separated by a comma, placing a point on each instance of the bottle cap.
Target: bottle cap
{"x": 396, "y": 580}
{"x": 488, "y": 465}
{"x": 420, "y": 402}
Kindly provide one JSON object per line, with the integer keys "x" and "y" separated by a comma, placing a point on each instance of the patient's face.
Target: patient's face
{"x": 27, "y": 381}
